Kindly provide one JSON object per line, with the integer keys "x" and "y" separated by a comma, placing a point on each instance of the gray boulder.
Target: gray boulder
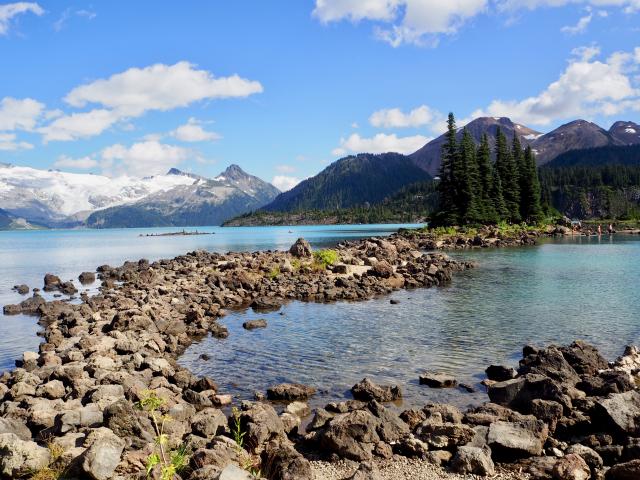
{"x": 517, "y": 439}
{"x": 623, "y": 411}
{"x": 473, "y": 460}
{"x": 351, "y": 435}
{"x": 103, "y": 455}
{"x": 367, "y": 390}
{"x": 301, "y": 249}
{"x": 19, "y": 457}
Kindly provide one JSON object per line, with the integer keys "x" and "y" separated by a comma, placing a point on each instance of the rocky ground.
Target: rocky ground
{"x": 105, "y": 398}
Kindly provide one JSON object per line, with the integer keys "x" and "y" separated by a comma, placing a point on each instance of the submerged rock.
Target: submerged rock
{"x": 367, "y": 390}
{"x": 290, "y": 391}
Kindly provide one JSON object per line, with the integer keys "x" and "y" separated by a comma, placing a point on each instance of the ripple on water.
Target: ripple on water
{"x": 553, "y": 293}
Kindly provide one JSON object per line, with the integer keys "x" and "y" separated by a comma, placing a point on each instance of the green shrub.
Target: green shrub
{"x": 325, "y": 257}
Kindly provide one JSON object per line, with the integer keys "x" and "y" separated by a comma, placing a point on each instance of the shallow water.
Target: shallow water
{"x": 25, "y": 256}
{"x": 553, "y": 293}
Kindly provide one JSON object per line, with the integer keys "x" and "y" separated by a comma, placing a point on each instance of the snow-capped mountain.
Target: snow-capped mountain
{"x": 59, "y": 199}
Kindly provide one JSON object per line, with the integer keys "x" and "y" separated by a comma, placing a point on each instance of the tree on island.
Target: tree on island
{"x": 473, "y": 190}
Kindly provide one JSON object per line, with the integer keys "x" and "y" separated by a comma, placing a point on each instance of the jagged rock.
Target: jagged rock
{"x": 51, "y": 282}
{"x": 473, "y": 460}
{"x": 584, "y": 358}
{"x": 624, "y": 471}
{"x": 519, "y": 392}
{"x": 367, "y": 390}
{"x": 382, "y": 269}
{"x": 209, "y": 422}
{"x": 593, "y": 459}
{"x": 234, "y": 472}
{"x": 517, "y": 439}
{"x": 351, "y": 435}
{"x": 571, "y": 467}
{"x": 283, "y": 462}
{"x": 19, "y": 457}
{"x": 623, "y": 411}
{"x": 11, "y": 425}
{"x": 21, "y": 289}
{"x": 320, "y": 419}
{"x": 290, "y": 391}
{"x": 103, "y": 455}
{"x": 551, "y": 363}
{"x": 260, "y": 422}
{"x": 127, "y": 424}
{"x": 266, "y": 303}
{"x": 301, "y": 249}
{"x": 500, "y": 373}
{"x": 391, "y": 428}
{"x": 440, "y": 434}
{"x": 438, "y": 380}
{"x": 448, "y": 413}
{"x": 412, "y": 447}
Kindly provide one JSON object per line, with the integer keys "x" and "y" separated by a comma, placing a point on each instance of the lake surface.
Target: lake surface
{"x": 553, "y": 293}
{"x": 559, "y": 291}
{"x": 25, "y": 256}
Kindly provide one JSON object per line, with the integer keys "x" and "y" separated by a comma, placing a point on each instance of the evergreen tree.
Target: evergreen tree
{"x": 485, "y": 181}
{"x": 530, "y": 194}
{"x": 508, "y": 172}
{"x": 497, "y": 197}
{"x": 449, "y": 167}
{"x": 468, "y": 180}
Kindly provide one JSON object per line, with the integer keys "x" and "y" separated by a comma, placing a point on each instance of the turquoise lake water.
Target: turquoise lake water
{"x": 25, "y": 257}
{"x": 552, "y": 293}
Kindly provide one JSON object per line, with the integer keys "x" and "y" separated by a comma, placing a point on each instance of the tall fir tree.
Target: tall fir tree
{"x": 469, "y": 181}
{"x": 508, "y": 172}
{"x": 530, "y": 194}
{"x": 497, "y": 196}
{"x": 449, "y": 213}
{"x": 485, "y": 181}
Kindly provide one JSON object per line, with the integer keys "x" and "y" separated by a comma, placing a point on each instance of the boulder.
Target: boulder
{"x": 209, "y": 422}
{"x": 438, "y": 380}
{"x": 624, "y": 471}
{"x": 233, "y": 472}
{"x": 18, "y": 428}
{"x": 283, "y": 462}
{"x": 367, "y": 390}
{"x": 571, "y": 467}
{"x": 301, "y": 249}
{"x": 253, "y": 324}
{"x": 517, "y": 439}
{"x": 260, "y": 422}
{"x": 19, "y": 457}
{"x": 87, "y": 277}
{"x": 290, "y": 391}
{"x": 549, "y": 362}
{"x": 103, "y": 455}
{"x": 519, "y": 392}
{"x": 500, "y": 373}
{"x": 623, "y": 411}
{"x": 266, "y": 303}
{"x": 473, "y": 460}
{"x": 351, "y": 435}
{"x": 382, "y": 269}
{"x": 584, "y": 358}
{"x": 51, "y": 282}
{"x": 444, "y": 435}
{"x": 21, "y": 289}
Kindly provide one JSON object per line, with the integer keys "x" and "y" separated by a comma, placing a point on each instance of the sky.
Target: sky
{"x": 285, "y": 87}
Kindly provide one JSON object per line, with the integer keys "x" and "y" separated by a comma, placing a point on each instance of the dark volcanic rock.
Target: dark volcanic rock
{"x": 301, "y": 249}
{"x": 367, "y": 390}
{"x": 438, "y": 380}
{"x": 87, "y": 277}
{"x": 253, "y": 324}
{"x": 290, "y": 391}
{"x": 21, "y": 289}
{"x": 500, "y": 373}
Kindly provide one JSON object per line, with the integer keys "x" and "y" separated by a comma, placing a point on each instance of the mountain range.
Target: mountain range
{"x": 51, "y": 198}
{"x": 576, "y": 135}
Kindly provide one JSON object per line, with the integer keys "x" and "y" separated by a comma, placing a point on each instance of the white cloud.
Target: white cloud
{"x": 420, "y": 22}
{"x": 79, "y": 125}
{"x": 159, "y": 87}
{"x": 143, "y": 159}
{"x": 380, "y": 143}
{"x": 409, "y": 21}
{"x": 396, "y": 118}
{"x": 586, "y": 53}
{"x": 192, "y": 131}
{"x": 83, "y": 163}
{"x": 587, "y": 87}
{"x": 579, "y": 27}
{"x": 19, "y": 114}
{"x": 284, "y": 182}
{"x": 8, "y": 142}
{"x": 11, "y": 10}
{"x": 285, "y": 168}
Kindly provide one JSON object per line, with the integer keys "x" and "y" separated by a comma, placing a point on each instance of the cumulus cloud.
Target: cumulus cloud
{"x": 136, "y": 91}
{"x": 8, "y": 142}
{"x": 159, "y": 87}
{"x": 83, "y": 163}
{"x": 143, "y": 158}
{"x": 79, "y": 125}
{"x": 396, "y": 118}
{"x": 587, "y": 87}
{"x": 380, "y": 143}
{"x": 19, "y": 114}
{"x": 421, "y": 22}
{"x": 192, "y": 131}
{"x": 284, "y": 182}
{"x": 10, "y": 10}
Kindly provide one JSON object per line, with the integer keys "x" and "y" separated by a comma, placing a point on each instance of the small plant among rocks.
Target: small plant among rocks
{"x": 325, "y": 258}
{"x": 162, "y": 464}
{"x": 57, "y": 468}
{"x": 252, "y": 462}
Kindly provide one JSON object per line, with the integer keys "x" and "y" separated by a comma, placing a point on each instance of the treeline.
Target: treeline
{"x": 596, "y": 157}
{"x": 605, "y": 191}
{"x": 473, "y": 190}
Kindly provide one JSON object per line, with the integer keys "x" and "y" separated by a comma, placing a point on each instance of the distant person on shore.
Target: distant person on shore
{"x": 610, "y": 229}
{"x": 599, "y": 229}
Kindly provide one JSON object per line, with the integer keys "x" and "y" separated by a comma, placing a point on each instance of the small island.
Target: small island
{"x": 182, "y": 233}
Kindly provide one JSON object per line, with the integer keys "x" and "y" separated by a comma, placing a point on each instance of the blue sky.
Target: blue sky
{"x": 283, "y": 88}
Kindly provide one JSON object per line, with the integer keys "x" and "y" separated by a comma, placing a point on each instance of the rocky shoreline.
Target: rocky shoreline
{"x": 105, "y": 397}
